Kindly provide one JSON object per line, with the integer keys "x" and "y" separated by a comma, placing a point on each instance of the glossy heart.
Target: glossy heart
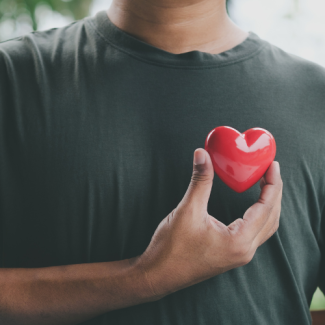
{"x": 240, "y": 159}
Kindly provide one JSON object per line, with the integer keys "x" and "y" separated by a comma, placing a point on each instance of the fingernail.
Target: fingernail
{"x": 278, "y": 167}
{"x": 199, "y": 157}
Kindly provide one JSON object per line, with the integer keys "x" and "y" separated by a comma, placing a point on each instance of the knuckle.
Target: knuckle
{"x": 276, "y": 226}
{"x": 199, "y": 169}
{"x": 267, "y": 204}
{"x": 248, "y": 257}
{"x": 243, "y": 251}
{"x": 183, "y": 210}
{"x": 199, "y": 178}
{"x": 279, "y": 186}
{"x": 236, "y": 229}
{"x": 238, "y": 249}
{"x": 170, "y": 217}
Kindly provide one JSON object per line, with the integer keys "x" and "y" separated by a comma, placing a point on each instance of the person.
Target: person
{"x": 104, "y": 219}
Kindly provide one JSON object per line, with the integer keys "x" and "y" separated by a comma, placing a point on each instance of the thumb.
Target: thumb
{"x": 200, "y": 186}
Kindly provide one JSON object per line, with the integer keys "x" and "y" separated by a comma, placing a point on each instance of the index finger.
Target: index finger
{"x": 256, "y": 217}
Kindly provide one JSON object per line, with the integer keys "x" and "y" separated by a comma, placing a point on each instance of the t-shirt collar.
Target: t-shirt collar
{"x": 140, "y": 49}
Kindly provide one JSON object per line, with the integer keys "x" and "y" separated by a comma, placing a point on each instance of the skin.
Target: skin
{"x": 189, "y": 245}
{"x": 178, "y": 26}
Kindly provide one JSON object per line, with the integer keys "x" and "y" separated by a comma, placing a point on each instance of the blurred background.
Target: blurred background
{"x": 296, "y": 26}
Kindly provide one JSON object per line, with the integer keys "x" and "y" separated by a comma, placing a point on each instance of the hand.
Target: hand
{"x": 190, "y": 245}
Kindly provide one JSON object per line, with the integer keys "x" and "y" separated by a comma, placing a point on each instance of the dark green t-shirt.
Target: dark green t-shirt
{"x": 98, "y": 130}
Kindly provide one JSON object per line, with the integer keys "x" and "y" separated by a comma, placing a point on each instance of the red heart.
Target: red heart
{"x": 240, "y": 159}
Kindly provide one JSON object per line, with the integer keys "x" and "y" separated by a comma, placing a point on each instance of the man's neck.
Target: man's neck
{"x": 178, "y": 26}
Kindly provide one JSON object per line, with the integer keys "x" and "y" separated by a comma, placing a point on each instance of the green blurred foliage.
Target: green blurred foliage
{"x": 12, "y": 9}
{"x": 318, "y": 301}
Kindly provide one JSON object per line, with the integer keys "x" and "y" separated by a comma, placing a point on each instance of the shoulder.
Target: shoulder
{"x": 39, "y": 47}
{"x": 292, "y": 68}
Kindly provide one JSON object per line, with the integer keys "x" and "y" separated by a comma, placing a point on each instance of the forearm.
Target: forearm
{"x": 70, "y": 294}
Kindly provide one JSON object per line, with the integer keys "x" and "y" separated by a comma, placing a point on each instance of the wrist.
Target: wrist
{"x": 144, "y": 285}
